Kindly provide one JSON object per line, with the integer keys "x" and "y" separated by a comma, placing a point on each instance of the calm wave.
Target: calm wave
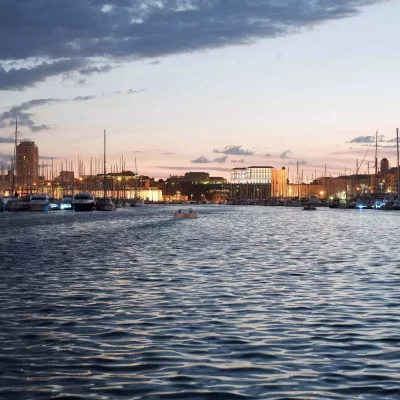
{"x": 243, "y": 303}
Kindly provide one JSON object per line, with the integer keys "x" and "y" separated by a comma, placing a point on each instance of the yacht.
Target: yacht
{"x": 105, "y": 204}
{"x": 84, "y": 202}
{"x": 190, "y": 214}
{"x": 15, "y": 204}
{"x": 39, "y": 202}
{"x": 66, "y": 203}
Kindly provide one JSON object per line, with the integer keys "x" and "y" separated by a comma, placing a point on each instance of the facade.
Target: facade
{"x": 279, "y": 183}
{"x": 259, "y": 175}
{"x": 384, "y": 166}
{"x": 239, "y": 176}
{"x": 27, "y": 165}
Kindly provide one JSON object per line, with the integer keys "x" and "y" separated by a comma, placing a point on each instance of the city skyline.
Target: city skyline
{"x": 311, "y": 89}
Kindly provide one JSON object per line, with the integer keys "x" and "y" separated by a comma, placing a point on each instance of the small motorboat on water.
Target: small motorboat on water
{"x": 185, "y": 214}
{"x": 39, "y": 202}
{"x": 309, "y": 207}
{"x": 84, "y": 202}
{"x": 105, "y": 204}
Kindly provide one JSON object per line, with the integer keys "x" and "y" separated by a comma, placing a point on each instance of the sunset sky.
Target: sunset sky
{"x": 186, "y": 85}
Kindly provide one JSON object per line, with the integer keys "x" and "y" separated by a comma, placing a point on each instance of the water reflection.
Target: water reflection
{"x": 242, "y": 303}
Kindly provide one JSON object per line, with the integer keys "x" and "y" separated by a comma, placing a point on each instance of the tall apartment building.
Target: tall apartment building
{"x": 27, "y": 165}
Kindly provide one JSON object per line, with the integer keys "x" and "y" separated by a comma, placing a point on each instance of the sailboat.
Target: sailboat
{"x": 12, "y": 203}
{"x": 137, "y": 201}
{"x": 105, "y": 204}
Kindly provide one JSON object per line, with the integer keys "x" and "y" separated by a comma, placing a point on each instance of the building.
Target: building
{"x": 239, "y": 176}
{"x": 27, "y": 165}
{"x": 259, "y": 175}
{"x": 384, "y": 166}
{"x": 279, "y": 183}
{"x": 197, "y": 177}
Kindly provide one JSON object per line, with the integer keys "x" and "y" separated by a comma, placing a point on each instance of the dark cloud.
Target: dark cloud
{"x": 23, "y": 116}
{"x": 238, "y": 161}
{"x": 235, "y": 151}
{"x": 84, "y": 98}
{"x": 300, "y": 163}
{"x": 95, "y": 70}
{"x": 204, "y": 160}
{"x": 155, "y": 62}
{"x": 285, "y": 154}
{"x": 191, "y": 168}
{"x": 6, "y": 140}
{"x": 47, "y": 158}
{"x": 81, "y": 33}
{"x": 21, "y": 78}
{"x": 363, "y": 139}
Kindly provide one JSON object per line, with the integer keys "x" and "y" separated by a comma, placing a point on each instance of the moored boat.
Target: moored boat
{"x": 66, "y": 203}
{"x": 84, "y": 202}
{"x": 190, "y": 214}
{"x": 14, "y": 204}
{"x": 39, "y": 202}
{"x": 105, "y": 204}
{"x": 309, "y": 207}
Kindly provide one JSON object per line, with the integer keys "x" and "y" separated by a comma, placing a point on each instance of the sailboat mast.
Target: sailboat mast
{"x": 15, "y": 158}
{"x": 398, "y": 162}
{"x": 104, "y": 169}
{"x": 376, "y": 153}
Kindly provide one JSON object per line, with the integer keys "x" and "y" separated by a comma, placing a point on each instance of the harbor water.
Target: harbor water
{"x": 242, "y": 303}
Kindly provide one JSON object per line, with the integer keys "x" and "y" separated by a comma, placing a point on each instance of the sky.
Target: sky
{"x": 202, "y": 85}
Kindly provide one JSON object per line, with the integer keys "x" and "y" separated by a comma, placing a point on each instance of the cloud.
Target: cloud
{"x": 234, "y": 151}
{"x": 47, "y": 157}
{"x": 180, "y": 168}
{"x": 6, "y": 140}
{"x": 238, "y": 161}
{"x": 268, "y": 155}
{"x": 95, "y": 70}
{"x": 80, "y": 34}
{"x": 155, "y": 62}
{"x": 285, "y": 154}
{"x": 24, "y": 118}
{"x": 204, "y": 160}
{"x": 131, "y": 91}
{"x": 300, "y": 163}
{"x": 363, "y": 139}
{"x": 84, "y": 98}
{"x": 21, "y": 78}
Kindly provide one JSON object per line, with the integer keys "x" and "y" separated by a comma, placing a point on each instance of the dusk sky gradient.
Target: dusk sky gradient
{"x": 202, "y": 84}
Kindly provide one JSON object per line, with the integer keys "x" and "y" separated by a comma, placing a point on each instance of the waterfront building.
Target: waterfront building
{"x": 27, "y": 165}
{"x": 279, "y": 183}
{"x": 238, "y": 176}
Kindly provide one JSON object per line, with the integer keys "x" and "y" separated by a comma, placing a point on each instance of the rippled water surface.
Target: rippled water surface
{"x": 243, "y": 303}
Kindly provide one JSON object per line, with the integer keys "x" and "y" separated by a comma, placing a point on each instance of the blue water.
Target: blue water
{"x": 243, "y": 303}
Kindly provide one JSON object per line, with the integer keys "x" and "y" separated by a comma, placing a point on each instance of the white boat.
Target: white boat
{"x": 190, "y": 214}
{"x": 13, "y": 204}
{"x": 66, "y": 203}
{"x": 39, "y": 202}
{"x": 105, "y": 205}
{"x": 54, "y": 205}
{"x": 84, "y": 202}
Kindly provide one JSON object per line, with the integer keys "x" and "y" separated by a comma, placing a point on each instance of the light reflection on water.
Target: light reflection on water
{"x": 245, "y": 302}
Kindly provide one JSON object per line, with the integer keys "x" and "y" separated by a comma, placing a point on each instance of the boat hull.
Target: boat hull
{"x": 105, "y": 207}
{"x": 13, "y": 205}
{"x": 39, "y": 207}
{"x": 183, "y": 215}
{"x": 89, "y": 206}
